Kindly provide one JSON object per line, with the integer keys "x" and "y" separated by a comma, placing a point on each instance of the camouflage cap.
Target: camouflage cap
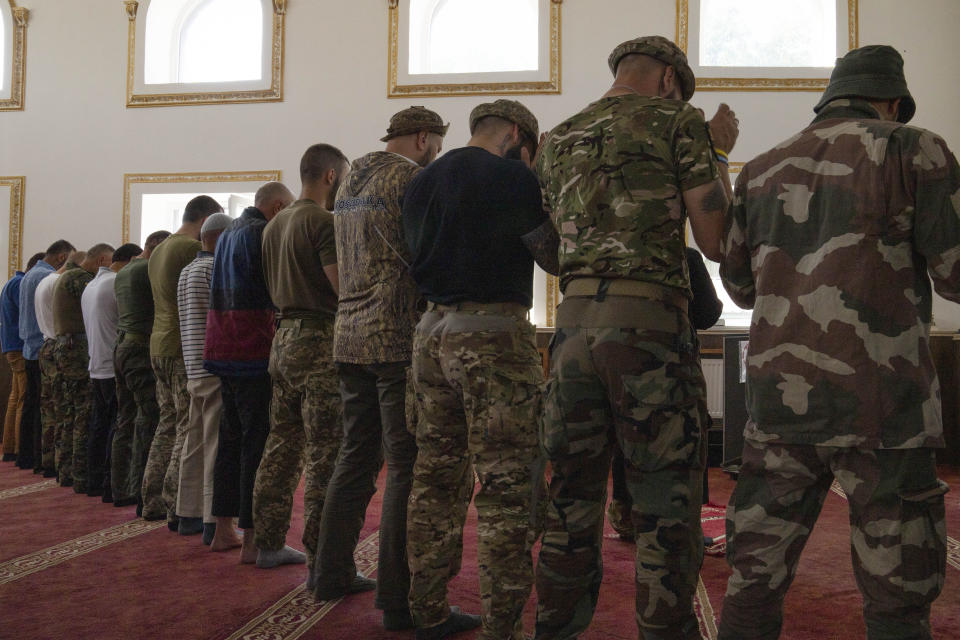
{"x": 874, "y": 71}
{"x": 508, "y": 110}
{"x": 663, "y": 50}
{"x": 414, "y": 120}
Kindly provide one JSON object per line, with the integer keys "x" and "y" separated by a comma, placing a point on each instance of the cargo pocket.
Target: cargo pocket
{"x": 553, "y": 426}
{"x": 923, "y": 542}
{"x": 662, "y": 419}
{"x": 514, "y": 397}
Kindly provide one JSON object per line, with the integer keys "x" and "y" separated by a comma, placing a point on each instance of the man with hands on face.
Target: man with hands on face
{"x": 620, "y": 179}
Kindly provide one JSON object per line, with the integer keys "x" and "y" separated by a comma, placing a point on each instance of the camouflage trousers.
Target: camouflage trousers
{"x": 73, "y": 414}
{"x": 305, "y": 432}
{"x": 478, "y": 379}
{"x": 897, "y": 534}
{"x": 137, "y": 415}
{"x": 624, "y": 372}
{"x": 52, "y": 402}
{"x": 161, "y": 475}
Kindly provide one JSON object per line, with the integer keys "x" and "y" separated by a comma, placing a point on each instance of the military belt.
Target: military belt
{"x": 492, "y": 308}
{"x": 304, "y": 323}
{"x": 599, "y": 288}
{"x": 131, "y": 336}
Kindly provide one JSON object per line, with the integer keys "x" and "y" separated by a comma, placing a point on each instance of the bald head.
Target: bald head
{"x": 272, "y": 198}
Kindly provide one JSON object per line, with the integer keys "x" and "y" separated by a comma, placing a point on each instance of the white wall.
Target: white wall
{"x": 76, "y": 139}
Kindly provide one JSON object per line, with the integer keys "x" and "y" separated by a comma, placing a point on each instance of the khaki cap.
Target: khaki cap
{"x": 414, "y": 120}
{"x": 508, "y": 110}
{"x": 663, "y": 50}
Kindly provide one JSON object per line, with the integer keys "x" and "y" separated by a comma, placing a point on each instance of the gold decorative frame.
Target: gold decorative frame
{"x": 764, "y": 84}
{"x": 396, "y": 90}
{"x": 198, "y": 177}
{"x": 18, "y": 59}
{"x": 16, "y": 184}
{"x": 553, "y": 282}
{"x": 272, "y": 94}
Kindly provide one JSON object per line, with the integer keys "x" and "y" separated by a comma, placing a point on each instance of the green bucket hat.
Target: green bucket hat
{"x": 874, "y": 71}
{"x": 663, "y": 50}
{"x": 508, "y": 110}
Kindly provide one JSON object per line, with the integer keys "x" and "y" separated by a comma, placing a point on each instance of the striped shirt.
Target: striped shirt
{"x": 193, "y": 301}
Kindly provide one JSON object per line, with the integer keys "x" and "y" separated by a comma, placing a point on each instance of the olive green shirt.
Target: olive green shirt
{"x": 67, "y": 313}
{"x": 134, "y": 298}
{"x": 297, "y": 244}
{"x": 165, "y": 264}
{"x": 613, "y": 178}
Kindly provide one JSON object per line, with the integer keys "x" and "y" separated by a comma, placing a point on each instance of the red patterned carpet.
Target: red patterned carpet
{"x": 74, "y": 568}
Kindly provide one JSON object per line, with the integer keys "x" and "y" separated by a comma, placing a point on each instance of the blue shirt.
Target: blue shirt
{"x": 29, "y": 329}
{"x": 10, "y": 315}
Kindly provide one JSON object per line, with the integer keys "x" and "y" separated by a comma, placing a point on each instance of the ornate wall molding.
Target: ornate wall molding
{"x": 18, "y": 58}
{"x": 196, "y": 177}
{"x": 705, "y": 83}
{"x": 274, "y": 93}
{"x": 397, "y": 90}
{"x": 15, "y": 228}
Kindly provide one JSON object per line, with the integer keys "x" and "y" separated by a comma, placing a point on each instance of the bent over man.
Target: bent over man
{"x": 373, "y": 334}
{"x": 475, "y": 224}
{"x": 621, "y": 178}
{"x": 831, "y": 239}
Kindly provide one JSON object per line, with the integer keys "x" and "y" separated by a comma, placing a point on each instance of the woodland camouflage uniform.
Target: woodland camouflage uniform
{"x": 832, "y": 236}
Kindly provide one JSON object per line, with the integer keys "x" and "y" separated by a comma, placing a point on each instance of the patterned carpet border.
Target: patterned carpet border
{"x": 27, "y": 489}
{"x": 704, "y": 610}
{"x": 295, "y": 613}
{"x": 23, "y": 566}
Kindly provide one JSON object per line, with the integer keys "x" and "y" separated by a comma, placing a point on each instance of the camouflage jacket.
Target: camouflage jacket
{"x": 830, "y": 239}
{"x": 613, "y": 177}
{"x": 378, "y": 297}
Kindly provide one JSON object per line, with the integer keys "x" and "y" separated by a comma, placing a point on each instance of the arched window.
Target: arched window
{"x": 204, "y": 51}
{"x": 220, "y": 42}
{"x": 465, "y": 47}
{"x": 13, "y": 52}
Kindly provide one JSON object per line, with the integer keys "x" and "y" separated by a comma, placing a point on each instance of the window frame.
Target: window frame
{"x": 401, "y": 84}
{"x": 798, "y": 79}
{"x": 132, "y": 201}
{"x": 267, "y": 89}
{"x": 17, "y": 185}
{"x": 15, "y": 44}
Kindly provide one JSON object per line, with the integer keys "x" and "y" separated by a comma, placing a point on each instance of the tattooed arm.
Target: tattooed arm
{"x": 543, "y": 243}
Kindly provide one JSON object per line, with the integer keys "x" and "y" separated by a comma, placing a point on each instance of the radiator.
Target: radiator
{"x": 713, "y": 373}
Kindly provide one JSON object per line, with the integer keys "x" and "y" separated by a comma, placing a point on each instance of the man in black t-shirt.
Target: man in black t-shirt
{"x": 475, "y": 225}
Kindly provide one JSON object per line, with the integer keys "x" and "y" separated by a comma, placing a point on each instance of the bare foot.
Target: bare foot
{"x": 225, "y": 537}
{"x": 248, "y": 551}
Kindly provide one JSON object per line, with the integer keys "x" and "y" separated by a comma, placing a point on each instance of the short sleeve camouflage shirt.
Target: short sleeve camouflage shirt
{"x": 831, "y": 239}
{"x": 613, "y": 177}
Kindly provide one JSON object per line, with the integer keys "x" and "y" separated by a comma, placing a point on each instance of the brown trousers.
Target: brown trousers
{"x": 18, "y": 388}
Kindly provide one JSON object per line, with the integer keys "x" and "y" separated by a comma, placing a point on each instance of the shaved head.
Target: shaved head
{"x": 639, "y": 64}
{"x": 271, "y": 192}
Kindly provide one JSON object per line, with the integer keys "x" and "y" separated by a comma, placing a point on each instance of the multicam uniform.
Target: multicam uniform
{"x": 70, "y": 353}
{"x": 305, "y": 417}
{"x": 477, "y": 376}
{"x": 137, "y": 410}
{"x": 161, "y": 475}
{"x": 832, "y": 235}
{"x": 624, "y": 366}
{"x": 373, "y": 336}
